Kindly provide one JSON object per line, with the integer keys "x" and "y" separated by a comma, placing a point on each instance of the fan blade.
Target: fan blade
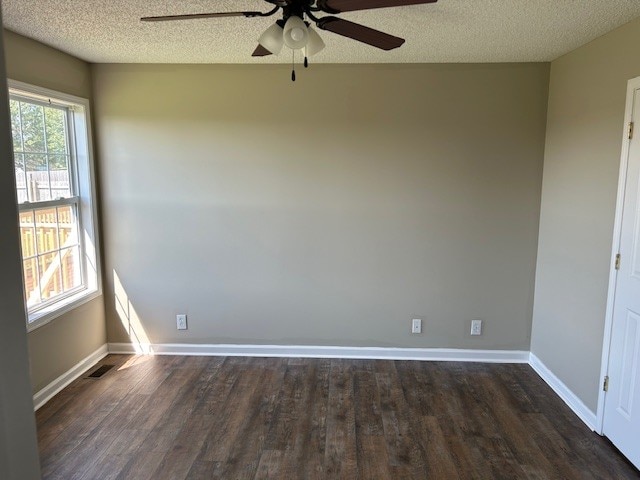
{"x": 193, "y": 16}
{"x": 260, "y": 51}
{"x": 338, "y": 6}
{"x": 360, "y": 33}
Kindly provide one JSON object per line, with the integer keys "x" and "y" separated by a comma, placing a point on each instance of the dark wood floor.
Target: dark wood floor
{"x": 251, "y": 418}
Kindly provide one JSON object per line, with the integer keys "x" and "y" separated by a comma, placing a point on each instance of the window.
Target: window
{"x": 55, "y": 195}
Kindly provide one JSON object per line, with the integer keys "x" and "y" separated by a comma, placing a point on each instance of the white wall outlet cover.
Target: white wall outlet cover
{"x": 181, "y": 322}
{"x": 416, "y": 325}
{"x": 476, "y": 327}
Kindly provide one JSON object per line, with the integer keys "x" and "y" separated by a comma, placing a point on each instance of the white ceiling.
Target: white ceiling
{"x": 109, "y": 31}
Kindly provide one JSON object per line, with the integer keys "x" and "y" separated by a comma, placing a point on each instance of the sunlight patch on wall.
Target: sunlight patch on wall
{"x": 130, "y": 319}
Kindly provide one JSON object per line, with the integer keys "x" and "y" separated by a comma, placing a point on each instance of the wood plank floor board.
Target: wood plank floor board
{"x": 141, "y": 466}
{"x": 243, "y": 459}
{"x": 290, "y": 419}
{"x": 340, "y": 449}
{"x": 501, "y": 460}
{"x": 439, "y": 463}
{"x": 165, "y": 408}
{"x": 367, "y": 397}
{"x": 373, "y": 459}
{"x": 405, "y": 456}
{"x": 519, "y": 442}
{"x": 464, "y": 420}
{"x": 269, "y": 466}
{"x": 107, "y": 431}
{"x": 236, "y": 418}
{"x": 232, "y": 416}
{"x": 208, "y": 470}
{"x": 419, "y": 387}
{"x": 218, "y": 392}
{"x": 57, "y": 417}
{"x": 312, "y": 428}
{"x": 563, "y": 458}
{"x": 511, "y": 380}
{"x": 186, "y": 446}
{"x": 157, "y": 373}
{"x": 151, "y": 438}
{"x": 90, "y": 399}
{"x": 283, "y": 417}
{"x": 108, "y": 468}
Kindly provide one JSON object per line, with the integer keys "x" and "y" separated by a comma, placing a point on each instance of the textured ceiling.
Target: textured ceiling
{"x": 449, "y": 31}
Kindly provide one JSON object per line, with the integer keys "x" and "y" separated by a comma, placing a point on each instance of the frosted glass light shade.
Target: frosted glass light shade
{"x": 272, "y": 39}
{"x": 315, "y": 43}
{"x": 296, "y": 34}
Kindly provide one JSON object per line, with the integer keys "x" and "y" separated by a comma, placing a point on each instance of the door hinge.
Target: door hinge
{"x": 630, "y": 130}
{"x": 617, "y": 261}
{"x": 605, "y": 384}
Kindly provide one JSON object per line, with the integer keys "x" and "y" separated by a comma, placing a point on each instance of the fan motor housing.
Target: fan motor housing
{"x": 297, "y": 8}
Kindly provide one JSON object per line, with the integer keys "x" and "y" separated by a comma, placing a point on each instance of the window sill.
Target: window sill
{"x": 46, "y": 315}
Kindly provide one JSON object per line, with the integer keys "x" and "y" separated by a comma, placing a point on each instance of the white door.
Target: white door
{"x": 622, "y": 401}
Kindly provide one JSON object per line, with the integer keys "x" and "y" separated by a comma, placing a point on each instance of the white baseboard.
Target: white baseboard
{"x": 571, "y": 399}
{"x": 376, "y": 353}
{"x": 44, "y": 395}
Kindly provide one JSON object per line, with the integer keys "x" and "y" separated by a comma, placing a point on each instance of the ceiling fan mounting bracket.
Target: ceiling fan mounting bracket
{"x": 297, "y": 8}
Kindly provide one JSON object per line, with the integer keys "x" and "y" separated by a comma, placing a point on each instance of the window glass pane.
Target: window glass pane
{"x": 56, "y": 130}
{"x": 31, "y": 285}
{"x": 43, "y": 171}
{"x": 36, "y": 163}
{"x": 59, "y": 176}
{"x": 16, "y": 128}
{"x": 67, "y": 226}
{"x": 33, "y": 134}
{"x": 71, "y": 276}
{"x": 46, "y": 230}
{"x": 27, "y": 234}
{"x": 21, "y": 178}
{"x": 50, "y": 278}
{"x": 50, "y": 237}
{"x": 58, "y": 161}
{"x": 37, "y": 178}
{"x": 58, "y": 150}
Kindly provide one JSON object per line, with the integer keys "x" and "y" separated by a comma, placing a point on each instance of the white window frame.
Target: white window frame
{"x": 84, "y": 174}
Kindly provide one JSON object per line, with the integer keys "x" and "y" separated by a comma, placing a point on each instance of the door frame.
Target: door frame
{"x": 632, "y": 85}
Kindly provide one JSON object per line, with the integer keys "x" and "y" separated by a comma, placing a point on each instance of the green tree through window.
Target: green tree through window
{"x": 39, "y": 136}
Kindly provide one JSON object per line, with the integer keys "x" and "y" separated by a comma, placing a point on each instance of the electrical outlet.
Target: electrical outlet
{"x": 416, "y": 325}
{"x": 476, "y": 327}
{"x": 181, "y": 321}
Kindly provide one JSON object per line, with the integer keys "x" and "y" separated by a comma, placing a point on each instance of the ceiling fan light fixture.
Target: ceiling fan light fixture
{"x": 272, "y": 39}
{"x": 296, "y": 34}
{"x": 315, "y": 43}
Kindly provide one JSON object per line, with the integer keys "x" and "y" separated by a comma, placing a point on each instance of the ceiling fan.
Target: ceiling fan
{"x": 296, "y": 33}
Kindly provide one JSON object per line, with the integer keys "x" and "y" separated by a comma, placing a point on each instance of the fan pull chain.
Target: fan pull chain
{"x": 306, "y": 62}
{"x": 293, "y": 65}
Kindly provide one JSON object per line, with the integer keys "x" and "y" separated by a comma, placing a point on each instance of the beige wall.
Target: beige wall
{"x": 58, "y": 346}
{"x": 18, "y": 447}
{"x": 582, "y": 157}
{"x": 326, "y": 212}
{"x": 33, "y": 62}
